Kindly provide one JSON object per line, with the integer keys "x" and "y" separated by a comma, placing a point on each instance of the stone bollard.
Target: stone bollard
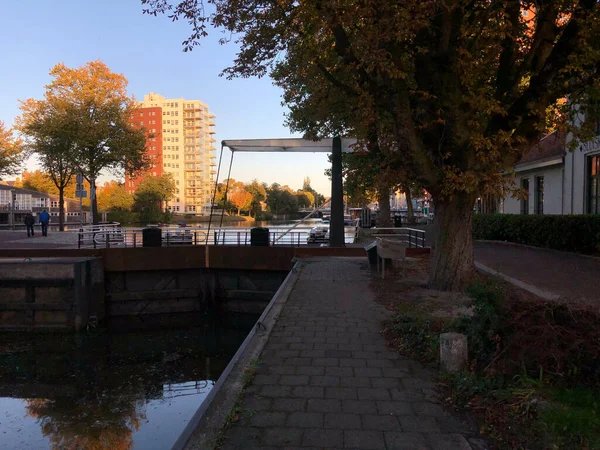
{"x": 453, "y": 352}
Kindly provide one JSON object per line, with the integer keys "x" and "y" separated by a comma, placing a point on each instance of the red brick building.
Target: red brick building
{"x": 151, "y": 120}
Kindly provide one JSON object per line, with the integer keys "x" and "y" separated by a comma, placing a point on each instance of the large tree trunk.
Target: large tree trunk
{"x": 93, "y": 202}
{"x": 61, "y": 209}
{"x": 384, "y": 215}
{"x": 410, "y": 214}
{"x": 452, "y": 250}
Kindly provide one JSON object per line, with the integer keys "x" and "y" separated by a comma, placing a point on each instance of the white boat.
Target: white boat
{"x": 318, "y": 234}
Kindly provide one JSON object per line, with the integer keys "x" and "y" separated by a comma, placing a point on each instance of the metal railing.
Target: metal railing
{"x": 414, "y": 237}
{"x": 113, "y": 235}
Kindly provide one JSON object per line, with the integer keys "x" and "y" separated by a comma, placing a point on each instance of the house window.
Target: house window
{"x": 525, "y": 201}
{"x": 539, "y": 195}
{"x": 594, "y": 184}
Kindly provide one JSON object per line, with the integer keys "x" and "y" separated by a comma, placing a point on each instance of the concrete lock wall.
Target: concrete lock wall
{"x": 51, "y": 293}
{"x": 63, "y": 288}
{"x": 187, "y": 290}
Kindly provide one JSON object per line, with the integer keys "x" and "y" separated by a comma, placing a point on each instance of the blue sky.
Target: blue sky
{"x": 37, "y": 34}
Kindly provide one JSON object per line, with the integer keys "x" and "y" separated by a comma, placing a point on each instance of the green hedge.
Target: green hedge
{"x": 579, "y": 234}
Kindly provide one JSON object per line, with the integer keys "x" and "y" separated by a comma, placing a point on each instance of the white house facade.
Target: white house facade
{"x": 558, "y": 181}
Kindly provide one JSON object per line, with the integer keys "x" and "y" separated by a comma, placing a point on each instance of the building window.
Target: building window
{"x": 594, "y": 184}
{"x": 525, "y": 201}
{"x": 539, "y": 195}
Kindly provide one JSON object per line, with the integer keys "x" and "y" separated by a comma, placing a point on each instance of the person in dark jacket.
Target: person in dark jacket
{"x": 44, "y": 219}
{"x": 29, "y": 222}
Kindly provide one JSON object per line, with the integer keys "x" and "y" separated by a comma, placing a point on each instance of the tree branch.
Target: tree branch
{"x": 335, "y": 81}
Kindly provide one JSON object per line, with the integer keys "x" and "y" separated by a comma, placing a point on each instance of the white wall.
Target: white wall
{"x": 553, "y": 185}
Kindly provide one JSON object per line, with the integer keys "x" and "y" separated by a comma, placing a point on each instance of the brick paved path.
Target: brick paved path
{"x": 327, "y": 379}
{"x": 572, "y": 277}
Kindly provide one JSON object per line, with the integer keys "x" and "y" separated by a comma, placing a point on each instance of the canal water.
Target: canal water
{"x": 129, "y": 385}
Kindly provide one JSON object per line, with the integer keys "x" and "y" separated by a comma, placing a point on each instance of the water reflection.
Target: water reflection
{"x": 111, "y": 389}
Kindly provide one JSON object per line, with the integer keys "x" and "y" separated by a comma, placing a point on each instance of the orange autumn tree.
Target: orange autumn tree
{"x": 241, "y": 199}
{"x": 461, "y": 88}
{"x": 11, "y": 155}
{"x": 83, "y": 124}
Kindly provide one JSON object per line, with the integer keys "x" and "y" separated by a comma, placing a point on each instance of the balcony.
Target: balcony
{"x": 190, "y": 107}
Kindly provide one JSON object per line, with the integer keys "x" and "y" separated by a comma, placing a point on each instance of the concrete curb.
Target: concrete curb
{"x": 549, "y": 250}
{"x": 520, "y": 284}
{"x": 203, "y": 428}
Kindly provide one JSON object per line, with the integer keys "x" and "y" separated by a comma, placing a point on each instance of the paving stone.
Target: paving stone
{"x": 305, "y": 420}
{"x": 364, "y": 355}
{"x": 282, "y": 436}
{"x": 275, "y": 391}
{"x": 373, "y": 394}
{"x": 298, "y": 362}
{"x": 380, "y": 422}
{"x": 429, "y": 409}
{"x": 394, "y": 372}
{"x": 325, "y": 346}
{"x": 326, "y": 362}
{"x": 300, "y": 346}
{"x": 324, "y": 405}
{"x": 312, "y": 353}
{"x": 282, "y": 370}
{"x": 343, "y": 421}
{"x": 254, "y": 403}
{"x": 395, "y": 408}
{"x": 310, "y": 370}
{"x": 338, "y": 354}
{"x": 328, "y": 439}
{"x": 419, "y": 424}
{"x": 405, "y": 441}
{"x": 359, "y": 407}
{"x": 386, "y": 383}
{"x": 355, "y": 382}
{"x": 380, "y": 363}
{"x": 360, "y": 439}
{"x": 367, "y": 372}
{"x": 341, "y": 393}
{"x": 265, "y": 379}
{"x": 339, "y": 371}
{"x": 353, "y": 362}
{"x": 407, "y": 395}
{"x": 447, "y": 441}
{"x": 288, "y": 404}
{"x": 326, "y": 380}
{"x": 294, "y": 380}
{"x": 308, "y": 391}
{"x": 268, "y": 419}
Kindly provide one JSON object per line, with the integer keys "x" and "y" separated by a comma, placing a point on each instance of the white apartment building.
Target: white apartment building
{"x": 187, "y": 138}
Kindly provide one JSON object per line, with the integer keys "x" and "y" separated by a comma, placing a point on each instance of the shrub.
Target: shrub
{"x": 579, "y": 234}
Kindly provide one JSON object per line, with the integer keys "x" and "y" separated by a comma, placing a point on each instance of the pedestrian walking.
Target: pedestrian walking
{"x": 44, "y": 219}
{"x": 29, "y": 221}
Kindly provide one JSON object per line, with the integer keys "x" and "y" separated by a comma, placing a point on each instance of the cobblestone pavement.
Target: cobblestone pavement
{"x": 327, "y": 380}
{"x": 571, "y": 276}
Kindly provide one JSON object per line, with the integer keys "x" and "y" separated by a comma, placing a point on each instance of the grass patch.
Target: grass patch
{"x": 572, "y": 418}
